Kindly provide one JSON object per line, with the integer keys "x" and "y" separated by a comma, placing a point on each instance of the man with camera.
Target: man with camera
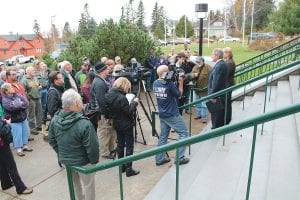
{"x": 167, "y": 94}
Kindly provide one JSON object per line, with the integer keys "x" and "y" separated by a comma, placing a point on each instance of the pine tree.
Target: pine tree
{"x": 154, "y": 17}
{"x": 87, "y": 25}
{"x": 36, "y": 27}
{"x": 122, "y": 18}
{"x": 180, "y": 27}
{"x": 141, "y": 16}
{"x": 66, "y": 33}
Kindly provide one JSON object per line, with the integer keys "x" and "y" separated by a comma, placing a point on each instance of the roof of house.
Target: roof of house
{"x": 15, "y": 37}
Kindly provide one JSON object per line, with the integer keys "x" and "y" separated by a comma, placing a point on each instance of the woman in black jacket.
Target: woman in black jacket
{"x": 9, "y": 175}
{"x": 122, "y": 113}
{"x": 228, "y": 58}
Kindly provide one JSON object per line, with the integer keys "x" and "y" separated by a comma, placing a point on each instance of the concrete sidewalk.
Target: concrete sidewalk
{"x": 39, "y": 169}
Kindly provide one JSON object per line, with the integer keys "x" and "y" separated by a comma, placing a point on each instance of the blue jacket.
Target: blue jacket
{"x": 166, "y": 95}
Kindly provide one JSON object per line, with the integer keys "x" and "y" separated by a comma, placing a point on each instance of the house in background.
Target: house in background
{"x": 25, "y": 44}
{"x": 216, "y": 29}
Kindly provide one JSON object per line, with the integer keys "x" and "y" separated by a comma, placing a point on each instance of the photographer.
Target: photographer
{"x": 167, "y": 94}
{"x": 122, "y": 112}
{"x": 180, "y": 68}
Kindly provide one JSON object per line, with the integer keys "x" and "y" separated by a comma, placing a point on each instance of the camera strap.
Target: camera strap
{"x": 200, "y": 70}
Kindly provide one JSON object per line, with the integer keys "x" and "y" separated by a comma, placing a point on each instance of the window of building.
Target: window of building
{"x": 37, "y": 40}
{"x": 21, "y": 43}
{"x": 15, "y": 52}
{"x": 4, "y": 51}
{"x": 38, "y": 50}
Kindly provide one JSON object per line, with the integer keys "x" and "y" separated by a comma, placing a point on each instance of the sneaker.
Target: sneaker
{"x": 20, "y": 153}
{"x": 30, "y": 138}
{"x": 27, "y": 191}
{"x": 183, "y": 161}
{"x": 166, "y": 160}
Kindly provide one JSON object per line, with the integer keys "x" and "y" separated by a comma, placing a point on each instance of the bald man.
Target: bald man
{"x": 167, "y": 94}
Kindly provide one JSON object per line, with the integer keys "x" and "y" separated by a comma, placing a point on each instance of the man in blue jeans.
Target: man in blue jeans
{"x": 166, "y": 95}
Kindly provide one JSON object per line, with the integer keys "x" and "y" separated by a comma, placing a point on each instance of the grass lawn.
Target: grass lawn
{"x": 240, "y": 52}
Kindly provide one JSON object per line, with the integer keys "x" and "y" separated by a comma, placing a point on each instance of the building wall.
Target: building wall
{"x": 35, "y": 46}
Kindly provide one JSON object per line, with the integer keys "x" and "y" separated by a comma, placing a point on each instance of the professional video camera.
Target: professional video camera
{"x": 174, "y": 73}
{"x": 134, "y": 72}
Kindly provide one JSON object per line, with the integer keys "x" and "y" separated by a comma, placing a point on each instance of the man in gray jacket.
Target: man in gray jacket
{"x": 97, "y": 102}
{"x": 73, "y": 138}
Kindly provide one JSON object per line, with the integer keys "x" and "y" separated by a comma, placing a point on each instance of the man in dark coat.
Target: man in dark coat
{"x": 217, "y": 82}
{"x": 97, "y": 102}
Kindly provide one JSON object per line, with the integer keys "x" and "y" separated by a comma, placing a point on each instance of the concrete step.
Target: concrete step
{"x": 261, "y": 157}
{"x": 284, "y": 172}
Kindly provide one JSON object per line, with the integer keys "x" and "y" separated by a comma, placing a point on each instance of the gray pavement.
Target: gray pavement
{"x": 39, "y": 169}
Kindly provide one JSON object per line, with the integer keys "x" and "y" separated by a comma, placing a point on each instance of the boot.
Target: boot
{"x": 121, "y": 155}
{"x": 130, "y": 171}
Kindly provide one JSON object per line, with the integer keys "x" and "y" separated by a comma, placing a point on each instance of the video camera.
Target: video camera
{"x": 135, "y": 73}
{"x": 173, "y": 73}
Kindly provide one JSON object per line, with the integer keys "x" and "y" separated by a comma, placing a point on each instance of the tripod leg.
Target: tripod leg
{"x": 142, "y": 132}
{"x": 152, "y": 101}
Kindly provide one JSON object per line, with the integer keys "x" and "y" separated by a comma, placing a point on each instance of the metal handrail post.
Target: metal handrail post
{"x": 265, "y": 101}
{"x": 251, "y": 162}
{"x": 190, "y": 114}
{"x": 177, "y": 174}
{"x": 225, "y": 115}
{"x": 121, "y": 183}
{"x": 70, "y": 182}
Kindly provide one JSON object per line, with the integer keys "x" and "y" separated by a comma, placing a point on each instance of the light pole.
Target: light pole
{"x": 201, "y": 10}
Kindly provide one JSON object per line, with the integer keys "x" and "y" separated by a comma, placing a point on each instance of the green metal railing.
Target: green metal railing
{"x": 253, "y": 122}
{"x": 276, "y": 51}
{"x": 231, "y": 89}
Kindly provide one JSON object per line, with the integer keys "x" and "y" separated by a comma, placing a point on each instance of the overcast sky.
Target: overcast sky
{"x": 18, "y": 15}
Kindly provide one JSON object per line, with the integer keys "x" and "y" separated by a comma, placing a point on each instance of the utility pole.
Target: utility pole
{"x": 53, "y": 33}
{"x": 252, "y": 19}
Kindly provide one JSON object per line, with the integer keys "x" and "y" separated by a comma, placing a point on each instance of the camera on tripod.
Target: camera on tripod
{"x": 135, "y": 73}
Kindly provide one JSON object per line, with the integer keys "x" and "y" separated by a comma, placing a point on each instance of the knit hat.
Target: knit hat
{"x": 100, "y": 66}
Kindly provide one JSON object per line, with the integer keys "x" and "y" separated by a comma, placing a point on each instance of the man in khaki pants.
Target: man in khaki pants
{"x": 98, "y": 90}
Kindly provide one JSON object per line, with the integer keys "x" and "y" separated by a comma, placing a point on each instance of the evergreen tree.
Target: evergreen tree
{"x": 122, "y": 18}
{"x": 158, "y": 21}
{"x": 141, "y": 16}
{"x": 87, "y": 25}
{"x": 66, "y": 33}
{"x": 287, "y": 18}
{"x": 262, "y": 9}
{"x": 36, "y": 27}
{"x": 180, "y": 27}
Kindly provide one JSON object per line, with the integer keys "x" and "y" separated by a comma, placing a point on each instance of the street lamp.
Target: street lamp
{"x": 201, "y": 10}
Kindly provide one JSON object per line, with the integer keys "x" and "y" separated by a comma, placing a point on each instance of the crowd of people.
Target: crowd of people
{"x": 92, "y": 115}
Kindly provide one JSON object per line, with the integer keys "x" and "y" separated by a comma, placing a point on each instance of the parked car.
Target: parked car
{"x": 178, "y": 41}
{"x": 19, "y": 59}
{"x": 262, "y": 36}
{"x": 205, "y": 40}
{"x": 160, "y": 43}
{"x": 229, "y": 39}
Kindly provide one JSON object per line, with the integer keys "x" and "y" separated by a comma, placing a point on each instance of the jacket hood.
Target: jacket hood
{"x": 112, "y": 95}
{"x": 66, "y": 119}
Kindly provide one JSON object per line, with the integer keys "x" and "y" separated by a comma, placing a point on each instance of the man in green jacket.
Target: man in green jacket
{"x": 32, "y": 88}
{"x": 74, "y": 139}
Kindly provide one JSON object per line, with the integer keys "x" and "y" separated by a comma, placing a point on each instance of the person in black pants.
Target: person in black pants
{"x": 122, "y": 113}
{"x": 217, "y": 82}
{"x": 9, "y": 175}
{"x": 228, "y": 58}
